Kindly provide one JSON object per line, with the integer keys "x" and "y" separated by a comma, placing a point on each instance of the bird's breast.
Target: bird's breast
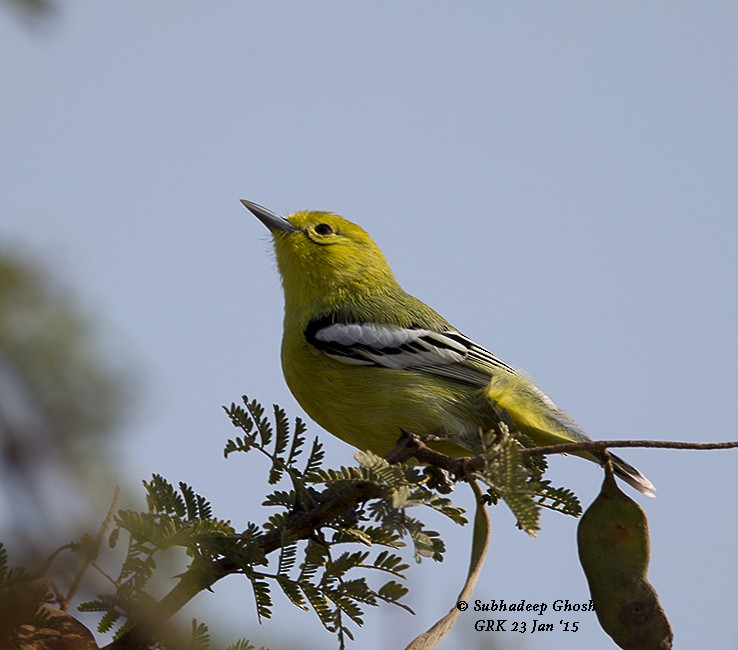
{"x": 369, "y": 406}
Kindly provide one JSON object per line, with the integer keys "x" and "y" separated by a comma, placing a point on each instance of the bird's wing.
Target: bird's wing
{"x": 447, "y": 353}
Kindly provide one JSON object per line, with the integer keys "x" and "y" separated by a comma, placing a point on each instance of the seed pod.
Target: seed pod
{"x": 614, "y": 551}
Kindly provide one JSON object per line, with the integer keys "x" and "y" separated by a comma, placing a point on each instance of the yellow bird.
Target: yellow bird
{"x": 367, "y": 360}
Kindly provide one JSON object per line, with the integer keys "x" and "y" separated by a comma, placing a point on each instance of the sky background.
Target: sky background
{"x": 558, "y": 179}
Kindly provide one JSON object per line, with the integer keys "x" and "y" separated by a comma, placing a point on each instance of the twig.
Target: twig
{"x": 410, "y": 445}
{"x": 593, "y": 445}
{"x": 91, "y": 553}
{"x": 298, "y": 525}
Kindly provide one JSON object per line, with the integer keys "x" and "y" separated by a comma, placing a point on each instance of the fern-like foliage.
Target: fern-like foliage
{"x": 329, "y": 542}
{"x": 9, "y": 575}
{"x": 324, "y": 582}
{"x": 23, "y": 609}
{"x": 244, "y": 645}
{"x": 17, "y": 611}
{"x": 176, "y": 517}
{"x": 259, "y": 432}
{"x": 518, "y": 480}
{"x": 316, "y": 575}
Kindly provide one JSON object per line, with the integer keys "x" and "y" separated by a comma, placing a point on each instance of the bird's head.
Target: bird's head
{"x": 324, "y": 258}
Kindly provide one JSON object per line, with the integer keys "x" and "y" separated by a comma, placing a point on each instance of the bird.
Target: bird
{"x": 367, "y": 361}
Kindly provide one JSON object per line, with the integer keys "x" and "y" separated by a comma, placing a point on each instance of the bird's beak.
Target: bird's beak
{"x": 274, "y": 222}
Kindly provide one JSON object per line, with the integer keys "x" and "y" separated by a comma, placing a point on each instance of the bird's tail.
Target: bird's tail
{"x": 536, "y": 415}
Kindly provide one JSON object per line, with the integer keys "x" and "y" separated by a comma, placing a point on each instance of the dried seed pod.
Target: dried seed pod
{"x": 614, "y": 551}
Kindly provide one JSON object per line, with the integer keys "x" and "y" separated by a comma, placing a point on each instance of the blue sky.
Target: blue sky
{"x": 557, "y": 179}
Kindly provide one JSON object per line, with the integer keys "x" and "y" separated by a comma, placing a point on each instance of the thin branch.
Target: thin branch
{"x": 92, "y": 552}
{"x": 298, "y": 525}
{"x": 594, "y": 445}
{"x": 410, "y": 445}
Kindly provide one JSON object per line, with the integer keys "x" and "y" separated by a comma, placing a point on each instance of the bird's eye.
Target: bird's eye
{"x": 323, "y": 229}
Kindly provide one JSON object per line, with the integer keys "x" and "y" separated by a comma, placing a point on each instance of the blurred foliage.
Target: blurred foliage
{"x": 45, "y": 343}
{"x": 319, "y": 512}
{"x": 31, "y": 9}
{"x": 58, "y": 399}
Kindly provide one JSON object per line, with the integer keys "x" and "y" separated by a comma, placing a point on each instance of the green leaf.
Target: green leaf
{"x": 287, "y": 559}
{"x": 262, "y": 597}
{"x": 200, "y": 636}
{"x": 320, "y": 604}
{"x": 281, "y": 498}
{"x": 315, "y": 457}
{"x": 108, "y": 621}
{"x": 291, "y": 589}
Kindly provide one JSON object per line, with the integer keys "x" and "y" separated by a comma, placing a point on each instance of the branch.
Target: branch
{"x": 410, "y": 445}
{"x": 302, "y": 524}
{"x": 91, "y": 552}
{"x": 298, "y": 525}
{"x": 594, "y": 445}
